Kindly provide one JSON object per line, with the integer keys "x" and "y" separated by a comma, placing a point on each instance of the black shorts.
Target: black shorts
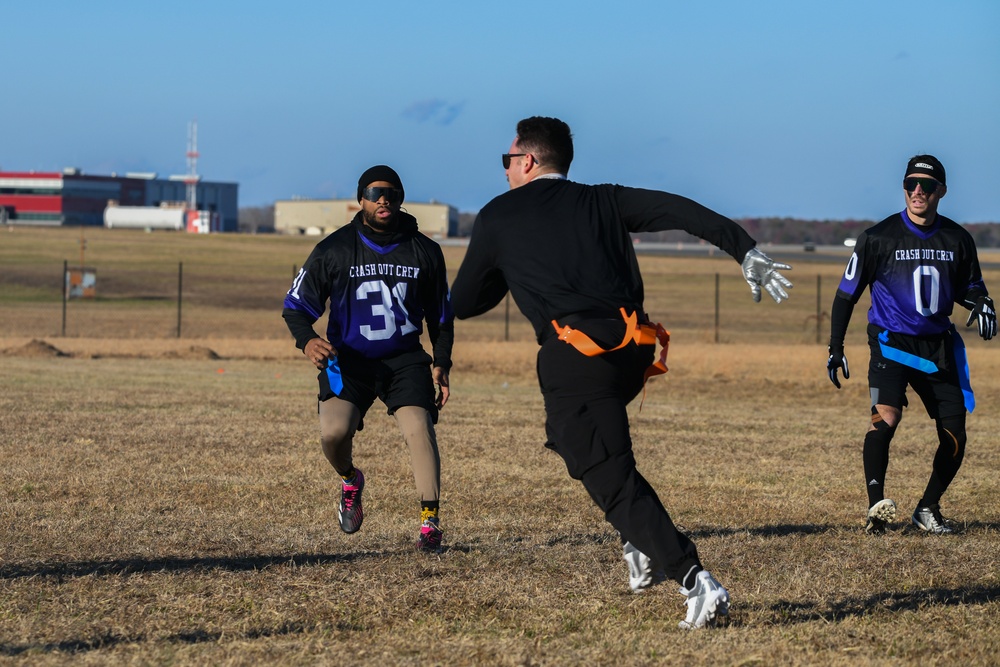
{"x": 940, "y": 391}
{"x": 398, "y": 381}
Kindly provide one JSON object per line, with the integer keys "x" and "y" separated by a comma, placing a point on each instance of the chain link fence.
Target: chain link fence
{"x": 158, "y": 300}
{"x": 193, "y": 300}
{"x": 711, "y": 307}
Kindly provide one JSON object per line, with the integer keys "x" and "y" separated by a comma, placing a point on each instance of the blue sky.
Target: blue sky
{"x": 767, "y": 108}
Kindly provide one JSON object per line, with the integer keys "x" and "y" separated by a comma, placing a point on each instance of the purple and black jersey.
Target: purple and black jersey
{"x": 379, "y": 295}
{"x": 916, "y": 274}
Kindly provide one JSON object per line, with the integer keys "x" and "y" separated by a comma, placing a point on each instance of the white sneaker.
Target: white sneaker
{"x": 880, "y": 515}
{"x": 641, "y": 574}
{"x": 706, "y": 602}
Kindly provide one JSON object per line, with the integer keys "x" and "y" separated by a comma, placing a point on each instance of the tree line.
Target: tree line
{"x": 792, "y": 231}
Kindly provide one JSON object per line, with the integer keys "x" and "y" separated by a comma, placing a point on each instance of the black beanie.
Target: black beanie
{"x": 378, "y": 173}
{"x": 927, "y": 165}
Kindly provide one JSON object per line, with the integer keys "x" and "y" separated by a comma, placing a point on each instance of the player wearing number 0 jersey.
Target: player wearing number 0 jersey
{"x": 917, "y": 265}
{"x": 383, "y": 280}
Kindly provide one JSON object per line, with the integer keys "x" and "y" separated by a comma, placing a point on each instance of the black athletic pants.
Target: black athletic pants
{"x": 587, "y": 425}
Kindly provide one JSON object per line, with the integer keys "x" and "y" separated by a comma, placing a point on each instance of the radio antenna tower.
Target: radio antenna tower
{"x": 191, "y": 179}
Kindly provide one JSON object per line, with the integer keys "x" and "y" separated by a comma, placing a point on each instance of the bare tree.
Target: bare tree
{"x": 257, "y": 220}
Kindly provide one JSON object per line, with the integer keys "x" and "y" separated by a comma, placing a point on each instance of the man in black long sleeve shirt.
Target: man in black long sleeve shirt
{"x": 564, "y": 252}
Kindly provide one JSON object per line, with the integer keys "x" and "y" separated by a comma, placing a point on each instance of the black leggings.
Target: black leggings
{"x": 587, "y": 425}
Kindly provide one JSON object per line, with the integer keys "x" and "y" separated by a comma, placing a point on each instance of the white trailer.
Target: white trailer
{"x": 144, "y": 217}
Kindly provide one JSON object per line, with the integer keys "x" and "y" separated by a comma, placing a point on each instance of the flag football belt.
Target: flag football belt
{"x": 640, "y": 334}
{"x": 929, "y": 367}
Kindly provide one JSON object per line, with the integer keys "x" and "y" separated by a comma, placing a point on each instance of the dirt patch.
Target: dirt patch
{"x": 39, "y": 349}
{"x": 36, "y": 349}
{"x": 193, "y": 352}
{"x": 160, "y": 348}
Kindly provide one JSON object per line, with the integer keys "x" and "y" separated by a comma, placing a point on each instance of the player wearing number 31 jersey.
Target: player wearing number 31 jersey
{"x": 383, "y": 279}
{"x": 917, "y": 264}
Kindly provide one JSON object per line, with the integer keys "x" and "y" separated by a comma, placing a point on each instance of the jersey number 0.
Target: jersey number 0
{"x": 934, "y": 276}
{"x": 920, "y": 274}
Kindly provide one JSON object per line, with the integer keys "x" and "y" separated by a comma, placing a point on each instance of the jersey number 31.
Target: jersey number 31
{"x": 381, "y": 301}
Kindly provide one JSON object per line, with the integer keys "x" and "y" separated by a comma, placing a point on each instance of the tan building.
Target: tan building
{"x": 319, "y": 217}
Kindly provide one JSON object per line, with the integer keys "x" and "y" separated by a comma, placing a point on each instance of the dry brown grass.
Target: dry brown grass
{"x": 165, "y": 501}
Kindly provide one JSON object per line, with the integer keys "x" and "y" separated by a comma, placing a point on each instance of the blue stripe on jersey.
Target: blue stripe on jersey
{"x": 382, "y": 250}
{"x": 852, "y": 276}
{"x": 920, "y": 230}
{"x": 295, "y": 304}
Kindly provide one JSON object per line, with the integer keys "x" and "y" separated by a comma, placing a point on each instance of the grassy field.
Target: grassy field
{"x": 165, "y": 501}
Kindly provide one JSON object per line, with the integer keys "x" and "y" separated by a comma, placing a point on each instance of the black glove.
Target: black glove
{"x": 987, "y": 316}
{"x": 836, "y": 362}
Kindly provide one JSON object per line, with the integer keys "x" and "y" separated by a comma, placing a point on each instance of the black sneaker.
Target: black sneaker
{"x": 929, "y": 519}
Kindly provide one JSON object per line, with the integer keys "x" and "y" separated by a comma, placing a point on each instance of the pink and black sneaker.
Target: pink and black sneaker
{"x": 430, "y": 537}
{"x": 349, "y": 512}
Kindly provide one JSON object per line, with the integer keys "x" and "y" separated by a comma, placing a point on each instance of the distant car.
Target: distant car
{"x": 850, "y": 243}
{"x": 809, "y": 246}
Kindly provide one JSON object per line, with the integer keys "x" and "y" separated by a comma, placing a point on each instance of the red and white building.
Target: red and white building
{"x": 74, "y": 199}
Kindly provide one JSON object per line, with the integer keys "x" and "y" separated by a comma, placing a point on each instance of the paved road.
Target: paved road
{"x": 790, "y": 254}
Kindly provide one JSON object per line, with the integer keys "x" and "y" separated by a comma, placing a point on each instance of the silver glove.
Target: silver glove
{"x": 761, "y": 271}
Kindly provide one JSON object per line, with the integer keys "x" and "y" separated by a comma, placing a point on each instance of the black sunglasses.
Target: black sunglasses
{"x": 507, "y": 156}
{"x": 928, "y": 185}
{"x": 392, "y": 195}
